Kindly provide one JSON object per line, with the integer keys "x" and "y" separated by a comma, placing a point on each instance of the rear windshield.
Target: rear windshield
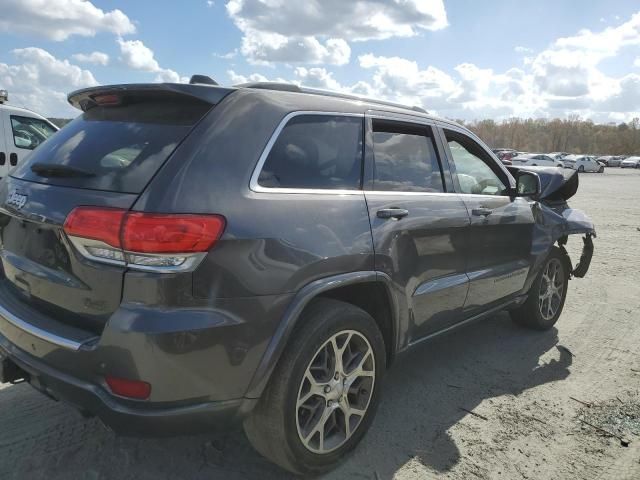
{"x": 113, "y": 148}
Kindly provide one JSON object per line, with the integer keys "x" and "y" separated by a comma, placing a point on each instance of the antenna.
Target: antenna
{"x": 202, "y": 80}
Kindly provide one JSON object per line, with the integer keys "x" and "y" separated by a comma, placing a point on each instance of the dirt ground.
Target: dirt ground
{"x": 526, "y": 389}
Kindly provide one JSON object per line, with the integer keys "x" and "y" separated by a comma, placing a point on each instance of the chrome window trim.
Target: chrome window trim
{"x": 406, "y": 194}
{"x": 256, "y": 187}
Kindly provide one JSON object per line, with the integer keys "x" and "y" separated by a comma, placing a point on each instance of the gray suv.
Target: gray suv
{"x": 180, "y": 257}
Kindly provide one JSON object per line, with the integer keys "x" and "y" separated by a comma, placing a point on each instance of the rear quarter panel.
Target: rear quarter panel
{"x": 274, "y": 243}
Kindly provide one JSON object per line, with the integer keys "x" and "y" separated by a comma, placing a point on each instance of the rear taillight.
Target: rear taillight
{"x": 135, "y": 389}
{"x": 145, "y": 241}
{"x": 102, "y": 224}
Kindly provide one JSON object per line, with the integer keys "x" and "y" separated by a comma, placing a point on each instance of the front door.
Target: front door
{"x": 419, "y": 227}
{"x": 499, "y": 253}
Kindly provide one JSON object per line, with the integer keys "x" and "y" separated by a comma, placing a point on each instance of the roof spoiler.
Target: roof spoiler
{"x": 84, "y": 99}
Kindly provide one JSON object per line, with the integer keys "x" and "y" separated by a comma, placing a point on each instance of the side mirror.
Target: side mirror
{"x": 527, "y": 184}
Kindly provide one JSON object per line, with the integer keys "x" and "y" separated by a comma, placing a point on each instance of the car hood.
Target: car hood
{"x": 556, "y": 183}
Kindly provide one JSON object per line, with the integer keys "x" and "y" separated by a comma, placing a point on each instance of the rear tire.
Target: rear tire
{"x": 601, "y": 170}
{"x": 547, "y": 295}
{"x": 314, "y": 411}
{"x": 581, "y": 169}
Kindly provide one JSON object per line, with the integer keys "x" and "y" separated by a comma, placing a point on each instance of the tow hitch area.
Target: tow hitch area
{"x": 11, "y": 373}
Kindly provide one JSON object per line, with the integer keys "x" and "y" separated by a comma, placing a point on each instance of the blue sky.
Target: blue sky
{"x": 462, "y": 59}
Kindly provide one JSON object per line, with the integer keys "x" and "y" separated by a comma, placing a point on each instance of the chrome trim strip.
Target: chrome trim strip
{"x": 393, "y": 193}
{"x": 38, "y": 332}
{"x": 256, "y": 187}
{"x": 441, "y": 283}
{"x": 192, "y": 260}
{"x": 80, "y": 243}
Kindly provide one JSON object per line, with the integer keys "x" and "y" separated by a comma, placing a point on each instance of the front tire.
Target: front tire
{"x": 581, "y": 169}
{"x": 324, "y": 392}
{"x": 547, "y": 295}
{"x": 601, "y": 170}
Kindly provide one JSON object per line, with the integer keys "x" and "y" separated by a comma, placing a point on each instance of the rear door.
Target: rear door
{"x": 104, "y": 158}
{"x": 499, "y": 253}
{"x": 419, "y": 225}
{"x": 23, "y": 134}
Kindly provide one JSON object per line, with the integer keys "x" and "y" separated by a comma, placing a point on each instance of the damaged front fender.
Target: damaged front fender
{"x": 554, "y": 223}
{"x": 555, "y": 220}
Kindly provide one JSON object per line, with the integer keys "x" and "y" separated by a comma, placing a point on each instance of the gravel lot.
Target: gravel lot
{"x": 520, "y": 383}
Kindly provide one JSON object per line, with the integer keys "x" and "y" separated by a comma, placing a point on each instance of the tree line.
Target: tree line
{"x": 571, "y": 135}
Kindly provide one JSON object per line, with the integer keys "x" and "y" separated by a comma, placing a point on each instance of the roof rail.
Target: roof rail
{"x": 292, "y": 87}
{"x": 280, "y": 86}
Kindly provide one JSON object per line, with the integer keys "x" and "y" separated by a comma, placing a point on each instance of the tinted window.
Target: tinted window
{"x": 316, "y": 151}
{"x": 405, "y": 158}
{"x": 119, "y": 147}
{"x": 30, "y": 132}
{"x": 474, "y": 166}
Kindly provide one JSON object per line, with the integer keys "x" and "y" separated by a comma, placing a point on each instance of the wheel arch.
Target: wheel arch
{"x": 350, "y": 288}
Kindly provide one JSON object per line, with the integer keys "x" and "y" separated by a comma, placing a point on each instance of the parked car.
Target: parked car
{"x": 505, "y": 155}
{"x": 558, "y": 155}
{"x": 21, "y": 131}
{"x": 263, "y": 253}
{"x": 535, "y": 160}
{"x": 582, "y": 163}
{"x": 616, "y": 161}
{"x": 630, "y": 162}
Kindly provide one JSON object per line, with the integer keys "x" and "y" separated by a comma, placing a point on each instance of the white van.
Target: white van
{"x": 20, "y": 132}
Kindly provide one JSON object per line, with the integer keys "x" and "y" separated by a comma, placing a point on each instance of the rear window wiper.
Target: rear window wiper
{"x": 57, "y": 170}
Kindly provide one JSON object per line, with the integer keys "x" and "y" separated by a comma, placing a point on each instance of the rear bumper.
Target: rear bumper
{"x": 126, "y": 417}
{"x": 199, "y": 361}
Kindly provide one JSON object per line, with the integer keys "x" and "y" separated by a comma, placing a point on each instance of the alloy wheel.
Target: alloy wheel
{"x": 551, "y": 289}
{"x": 335, "y": 392}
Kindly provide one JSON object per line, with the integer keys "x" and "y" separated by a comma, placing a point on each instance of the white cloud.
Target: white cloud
{"x": 316, "y": 31}
{"x": 59, "y": 19}
{"x": 97, "y": 58}
{"x": 238, "y": 79}
{"x": 264, "y": 48}
{"x": 521, "y": 49}
{"x": 135, "y": 54}
{"x": 41, "y": 82}
{"x": 227, "y": 56}
{"x": 317, "y": 78}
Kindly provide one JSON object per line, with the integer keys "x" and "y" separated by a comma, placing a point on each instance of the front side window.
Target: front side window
{"x": 316, "y": 152}
{"x": 472, "y": 165}
{"x": 405, "y": 158}
{"x": 29, "y": 132}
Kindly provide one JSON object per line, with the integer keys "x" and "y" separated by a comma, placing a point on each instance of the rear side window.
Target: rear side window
{"x": 405, "y": 158}
{"x": 30, "y": 132}
{"x": 114, "y": 148}
{"x": 316, "y": 152}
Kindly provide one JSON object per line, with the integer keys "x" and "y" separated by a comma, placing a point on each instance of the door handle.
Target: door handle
{"x": 396, "y": 213}
{"x": 481, "y": 212}
{"x": 3, "y": 158}
{"x": 13, "y": 159}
